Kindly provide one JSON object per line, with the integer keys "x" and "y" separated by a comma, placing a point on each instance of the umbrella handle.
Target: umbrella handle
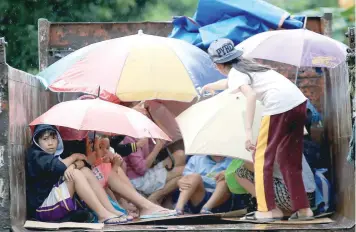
{"x": 150, "y": 116}
{"x": 305, "y": 22}
{"x": 94, "y": 141}
{"x": 98, "y": 96}
{"x": 297, "y": 70}
{"x": 170, "y": 155}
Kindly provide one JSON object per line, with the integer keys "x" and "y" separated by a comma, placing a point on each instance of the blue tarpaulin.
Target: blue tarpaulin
{"x": 233, "y": 19}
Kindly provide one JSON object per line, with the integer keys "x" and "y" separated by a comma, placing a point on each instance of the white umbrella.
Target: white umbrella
{"x": 298, "y": 47}
{"x": 216, "y": 126}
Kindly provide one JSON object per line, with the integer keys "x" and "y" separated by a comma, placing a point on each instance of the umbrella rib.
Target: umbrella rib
{"x": 123, "y": 67}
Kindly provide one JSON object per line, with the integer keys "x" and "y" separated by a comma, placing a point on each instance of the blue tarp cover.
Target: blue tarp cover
{"x": 233, "y": 19}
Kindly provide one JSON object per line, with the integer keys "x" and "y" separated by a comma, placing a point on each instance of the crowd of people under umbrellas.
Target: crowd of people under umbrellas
{"x": 114, "y": 178}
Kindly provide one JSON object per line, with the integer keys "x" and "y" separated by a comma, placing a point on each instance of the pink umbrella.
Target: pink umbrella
{"x": 102, "y": 116}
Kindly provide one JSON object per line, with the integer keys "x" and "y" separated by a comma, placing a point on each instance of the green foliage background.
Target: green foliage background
{"x": 18, "y": 18}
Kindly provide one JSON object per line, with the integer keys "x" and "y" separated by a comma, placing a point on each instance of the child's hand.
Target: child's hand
{"x": 184, "y": 186}
{"x": 220, "y": 176}
{"x": 207, "y": 88}
{"x": 69, "y": 173}
{"x": 160, "y": 142}
{"x": 78, "y": 156}
{"x": 117, "y": 160}
{"x": 248, "y": 143}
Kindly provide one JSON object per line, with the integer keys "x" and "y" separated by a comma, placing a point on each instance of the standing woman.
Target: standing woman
{"x": 281, "y": 132}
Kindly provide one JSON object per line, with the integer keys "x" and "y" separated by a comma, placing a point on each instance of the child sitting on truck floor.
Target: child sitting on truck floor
{"x": 152, "y": 180}
{"x": 203, "y": 187}
{"x": 108, "y": 169}
{"x": 53, "y": 182}
{"x": 245, "y": 177}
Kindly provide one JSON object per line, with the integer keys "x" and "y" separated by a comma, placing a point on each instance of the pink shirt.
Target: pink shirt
{"x": 136, "y": 162}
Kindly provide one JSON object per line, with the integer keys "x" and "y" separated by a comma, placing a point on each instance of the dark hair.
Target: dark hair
{"x": 247, "y": 66}
{"x": 42, "y": 133}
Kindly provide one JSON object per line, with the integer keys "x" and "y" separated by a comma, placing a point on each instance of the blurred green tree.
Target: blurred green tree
{"x": 18, "y": 18}
{"x": 342, "y": 18}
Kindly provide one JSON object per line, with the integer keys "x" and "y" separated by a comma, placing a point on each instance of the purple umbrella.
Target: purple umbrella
{"x": 298, "y": 47}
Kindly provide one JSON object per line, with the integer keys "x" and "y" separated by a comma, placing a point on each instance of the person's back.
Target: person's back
{"x": 277, "y": 93}
{"x": 43, "y": 169}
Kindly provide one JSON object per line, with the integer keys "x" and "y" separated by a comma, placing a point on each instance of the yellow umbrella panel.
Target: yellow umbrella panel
{"x": 154, "y": 72}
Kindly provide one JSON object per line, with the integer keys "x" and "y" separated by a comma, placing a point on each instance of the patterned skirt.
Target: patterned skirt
{"x": 282, "y": 196}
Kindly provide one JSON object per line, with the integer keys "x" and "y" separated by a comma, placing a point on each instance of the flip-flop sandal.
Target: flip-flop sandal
{"x": 205, "y": 210}
{"x": 159, "y": 214}
{"x": 179, "y": 212}
{"x": 295, "y": 217}
{"x": 252, "y": 217}
{"x": 107, "y": 221}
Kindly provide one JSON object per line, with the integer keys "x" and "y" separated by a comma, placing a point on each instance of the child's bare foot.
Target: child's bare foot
{"x": 154, "y": 210}
{"x": 305, "y": 212}
{"x": 127, "y": 205}
{"x": 302, "y": 215}
{"x": 272, "y": 214}
{"x": 154, "y": 200}
{"x": 134, "y": 214}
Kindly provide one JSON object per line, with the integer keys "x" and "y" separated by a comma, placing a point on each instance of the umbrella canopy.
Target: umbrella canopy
{"x": 134, "y": 68}
{"x": 216, "y": 126}
{"x": 298, "y": 47}
{"x": 102, "y": 116}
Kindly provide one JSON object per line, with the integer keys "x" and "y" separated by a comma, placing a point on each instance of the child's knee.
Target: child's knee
{"x": 195, "y": 178}
{"x": 191, "y": 179}
{"x": 86, "y": 171}
{"x": 77, "y": 174}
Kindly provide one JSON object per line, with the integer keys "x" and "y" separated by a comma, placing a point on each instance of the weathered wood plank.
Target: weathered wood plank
{"x": 25, "y": 107}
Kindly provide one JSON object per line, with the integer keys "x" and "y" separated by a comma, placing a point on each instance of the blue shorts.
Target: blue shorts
{"x": 235, "y": 202}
